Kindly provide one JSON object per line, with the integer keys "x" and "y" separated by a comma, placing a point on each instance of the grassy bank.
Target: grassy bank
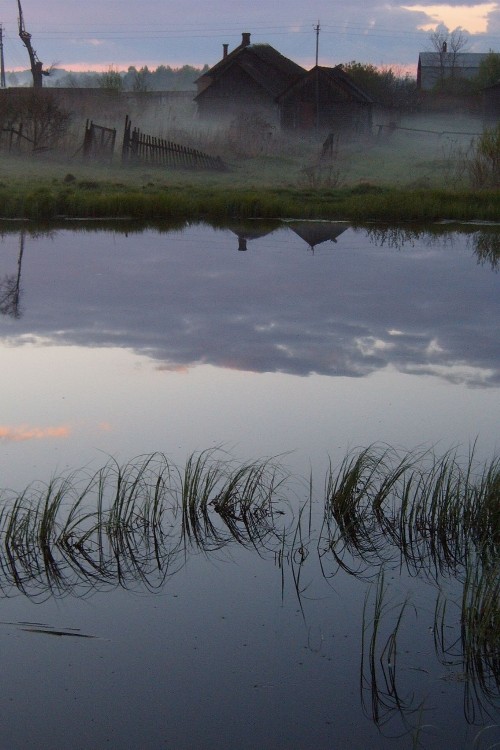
{"x": 103, "y": 199}
{"x": 50, "y": 191}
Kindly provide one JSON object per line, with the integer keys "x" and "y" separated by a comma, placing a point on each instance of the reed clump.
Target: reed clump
{"x": 134, "y": 525}
{"x": 428, "y": 509}
{"x": 130, "y": 523}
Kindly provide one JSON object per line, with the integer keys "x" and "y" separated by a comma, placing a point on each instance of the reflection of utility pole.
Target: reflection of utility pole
{"x": 10, "y": 287}
{"x": 2, "y": 64}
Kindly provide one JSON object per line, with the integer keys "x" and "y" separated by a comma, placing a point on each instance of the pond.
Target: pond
{"x": 213, "y": 444}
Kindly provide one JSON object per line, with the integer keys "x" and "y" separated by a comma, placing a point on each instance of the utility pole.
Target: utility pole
{"x": 2, "y": 64}
{"x": 316, "y": 29}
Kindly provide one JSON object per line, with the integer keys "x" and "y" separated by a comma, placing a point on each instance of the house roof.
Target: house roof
{"x": 337, "y": 77}
{"x": 451, "y": 59}
{"x": 268, "y": 67}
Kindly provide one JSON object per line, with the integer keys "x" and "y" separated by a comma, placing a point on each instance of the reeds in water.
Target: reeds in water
{"x": 424, "y": 509}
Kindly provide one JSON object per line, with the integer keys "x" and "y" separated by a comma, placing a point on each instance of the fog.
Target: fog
{"x": 431, "y": 146}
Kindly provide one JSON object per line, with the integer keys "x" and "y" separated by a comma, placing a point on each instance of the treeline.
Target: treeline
{"x": 162, "y": 78}
{"x": 386, "y": 86}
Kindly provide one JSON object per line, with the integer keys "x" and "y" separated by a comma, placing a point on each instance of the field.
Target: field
{"x": 419, "y": 171}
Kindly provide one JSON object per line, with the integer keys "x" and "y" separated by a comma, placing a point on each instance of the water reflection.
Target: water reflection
{"x": 10, "y": 286}
{"x": 135, "y": 526}
{"x": 361, "y": 305}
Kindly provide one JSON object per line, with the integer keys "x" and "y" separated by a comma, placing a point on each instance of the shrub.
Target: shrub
{"x": 484, "y": 166}
{"x": 36, "y": 117}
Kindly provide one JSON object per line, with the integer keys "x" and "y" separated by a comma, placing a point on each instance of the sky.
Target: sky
{"x": 96, "y": 35}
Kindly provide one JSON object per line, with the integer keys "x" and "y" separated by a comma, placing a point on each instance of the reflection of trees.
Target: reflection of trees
{"x": 10, "y": 287}
{"x": 484, "y": 243}
{"x": 428, "y": 517}
{"x": 486, "y": 246}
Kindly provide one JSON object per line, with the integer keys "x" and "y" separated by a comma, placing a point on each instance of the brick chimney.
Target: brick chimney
{"x": 225, "y": 48}
{"x": 245, "y": 39}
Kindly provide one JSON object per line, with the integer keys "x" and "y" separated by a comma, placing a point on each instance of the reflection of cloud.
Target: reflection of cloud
{"x": 185, "y": 298}
{"x": 22, "y": 433}
{"x": 181, "y": 369}
{"x": 370, "y": 345}
{"x": 455, "y": 373}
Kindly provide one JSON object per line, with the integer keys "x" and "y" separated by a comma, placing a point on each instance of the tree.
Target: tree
{"x": 384, "y": 85}
{"x": 37, "y": 116}
{"x": 448, "y": 46}
{"x": 489, "y": 70}
{"x": 111, "y": 80}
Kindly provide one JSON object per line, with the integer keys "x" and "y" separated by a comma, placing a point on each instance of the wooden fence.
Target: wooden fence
{"x": 146, "y": 149}
{"x": 98, "y": 142}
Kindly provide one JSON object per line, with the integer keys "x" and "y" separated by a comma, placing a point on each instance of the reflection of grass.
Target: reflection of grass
{"x": 379, "y": 657}
{"x": 128, "y": 523}
{"x": 429, "y": 509}
{"x": 136, "y": 524}
{"x": 476, "y": 652}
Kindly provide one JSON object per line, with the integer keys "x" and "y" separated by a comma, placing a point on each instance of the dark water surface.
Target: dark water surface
{"x": 297, "y": 340}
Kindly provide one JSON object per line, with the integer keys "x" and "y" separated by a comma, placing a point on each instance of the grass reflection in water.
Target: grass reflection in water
{"x": 431, "y": 517}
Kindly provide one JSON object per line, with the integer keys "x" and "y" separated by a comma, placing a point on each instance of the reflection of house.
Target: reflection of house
{"x": 317, "y": 232}
{"x": 248, "y": 79}
{"x": 257, "y": 78}
{"x": 326, "y": 98}
{"x": 251, "y": 230}
{"x": 436, "y": 67}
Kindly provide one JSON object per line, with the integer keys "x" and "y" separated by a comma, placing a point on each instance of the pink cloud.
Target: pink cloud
{"x": 23, "y": 432}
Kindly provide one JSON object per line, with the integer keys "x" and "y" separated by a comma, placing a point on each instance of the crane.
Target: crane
{"x": 37, "y": 70}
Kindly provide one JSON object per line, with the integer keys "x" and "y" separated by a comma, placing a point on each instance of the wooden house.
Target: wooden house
{"x": 246, "y": 80}
{"x": 435, "y": 68}
{"x": 326, "y": 99}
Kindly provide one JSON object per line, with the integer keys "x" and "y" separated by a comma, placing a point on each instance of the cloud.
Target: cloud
{"x": 471, "y": 18}
{"x": 22, "y": 433}
{"x": 128, "y": 33}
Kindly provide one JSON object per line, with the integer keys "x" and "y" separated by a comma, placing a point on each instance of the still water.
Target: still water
{"x": 293, "y": 340}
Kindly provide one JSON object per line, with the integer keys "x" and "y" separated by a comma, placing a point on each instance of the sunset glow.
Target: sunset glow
{"x": 471, "y": 18}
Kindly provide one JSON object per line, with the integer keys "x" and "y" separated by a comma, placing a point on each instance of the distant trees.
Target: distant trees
{"x": 385, "y": 85}
{"x": 111, "y": 80}
{"x": 163, "y": 78}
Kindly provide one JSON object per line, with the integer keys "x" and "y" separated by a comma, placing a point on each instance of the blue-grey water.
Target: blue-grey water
{"x": 297, "y": 340}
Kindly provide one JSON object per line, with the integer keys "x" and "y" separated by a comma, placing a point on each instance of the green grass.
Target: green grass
{"x": 253, "y": 188}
